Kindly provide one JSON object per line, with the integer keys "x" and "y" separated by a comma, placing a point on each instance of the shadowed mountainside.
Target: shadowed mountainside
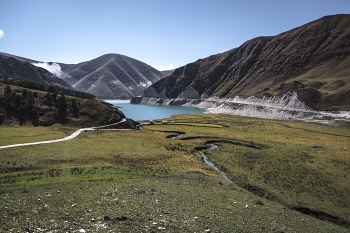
{"x": 23, "y": 70}
{"x": 167, "y": 72}
{"x": 111, "y": 76}
{"x": 312, "y": 60}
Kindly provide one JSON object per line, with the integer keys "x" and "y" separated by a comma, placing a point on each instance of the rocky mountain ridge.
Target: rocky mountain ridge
{"x": 312, "y": 60}
{"x": 110, "y": 76}
{"x": 24, "y": 70}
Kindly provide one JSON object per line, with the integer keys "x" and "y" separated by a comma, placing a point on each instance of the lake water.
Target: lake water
{"x": 151, "y": 112}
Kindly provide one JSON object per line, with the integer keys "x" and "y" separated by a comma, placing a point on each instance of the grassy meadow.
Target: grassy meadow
{"x": 144, "y": 181}
{"x": 16, "y": 134}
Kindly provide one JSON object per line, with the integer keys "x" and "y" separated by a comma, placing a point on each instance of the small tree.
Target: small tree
{"x": 17, "y": 100}
{"x": 51, "y": 89}
{"x": 62, "y": 108}
{"x": 35, "y": 117}
{"x": 75, "y": 109}
{"x": 24, "y": 94}
{"x": 48, "y": 99}
{"x": 7, "y": 90}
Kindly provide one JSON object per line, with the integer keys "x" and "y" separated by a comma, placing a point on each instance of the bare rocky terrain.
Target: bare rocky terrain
{"x": 312, "y": 60}
{"x": 111, "y": 76}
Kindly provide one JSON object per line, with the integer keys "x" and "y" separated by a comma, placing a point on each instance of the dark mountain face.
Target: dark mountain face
{"x": 111, "y": 76}
{"x": 312, "y": 60}
{"x": 23, "y": 70}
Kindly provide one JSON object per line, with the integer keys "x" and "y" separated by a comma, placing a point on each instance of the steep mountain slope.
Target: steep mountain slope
{"x": 23, "y": 70}
{"x": 111, "y": 76}
{"x": 167, "y": 72}
{"x": 19, "y": 58}
{"x": 312, "y": 60}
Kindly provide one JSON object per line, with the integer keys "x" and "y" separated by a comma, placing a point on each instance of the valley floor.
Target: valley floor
{"x": 148, "y": 182}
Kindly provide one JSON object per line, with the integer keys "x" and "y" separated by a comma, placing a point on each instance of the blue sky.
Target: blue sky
{"x": 161, "y": 33}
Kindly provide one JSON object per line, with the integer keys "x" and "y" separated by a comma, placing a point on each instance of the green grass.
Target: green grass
{"x": 187, "y": 202}
{"x": 128, "y": 180}
{"x": 22, "y": 134}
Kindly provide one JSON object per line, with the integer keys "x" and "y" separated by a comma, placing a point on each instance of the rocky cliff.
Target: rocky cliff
{"x": 312, "y": 60}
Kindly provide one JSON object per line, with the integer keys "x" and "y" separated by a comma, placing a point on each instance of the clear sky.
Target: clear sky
{"x": 161, "y": 33}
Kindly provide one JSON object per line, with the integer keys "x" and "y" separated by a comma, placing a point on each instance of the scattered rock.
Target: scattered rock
{"x": 259, "y": 202}
{"x": 121, "y": 218}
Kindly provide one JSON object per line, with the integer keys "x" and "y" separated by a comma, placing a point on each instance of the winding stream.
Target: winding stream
{"x": 212, "y": 165}
{"x": 205, "y": 158}
{"x": 179, "y": 135}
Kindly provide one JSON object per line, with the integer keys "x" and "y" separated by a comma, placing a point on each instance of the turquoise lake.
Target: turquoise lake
{"x": 151, "y": 112}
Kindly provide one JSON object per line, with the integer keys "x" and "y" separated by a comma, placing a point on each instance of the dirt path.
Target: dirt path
{"x": 73, "y": 135}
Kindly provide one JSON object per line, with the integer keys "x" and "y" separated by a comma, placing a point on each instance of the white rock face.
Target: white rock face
{"x": 283, "y": 107}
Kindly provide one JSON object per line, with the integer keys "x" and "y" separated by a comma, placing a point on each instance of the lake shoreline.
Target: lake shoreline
{"x": 151, "y": 112}
{"x": 284, "y": 107}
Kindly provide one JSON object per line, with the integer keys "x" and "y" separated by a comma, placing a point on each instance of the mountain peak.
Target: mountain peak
{"x": 112, "y": 76}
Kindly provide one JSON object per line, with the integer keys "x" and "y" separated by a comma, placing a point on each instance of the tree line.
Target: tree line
{"x": 21, "y": 106}
{"x": 6, "y": 79}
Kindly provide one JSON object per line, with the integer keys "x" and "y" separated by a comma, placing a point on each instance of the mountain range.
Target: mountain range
{"x": 312, "y": 60}
{"x": 111, "y": 76}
